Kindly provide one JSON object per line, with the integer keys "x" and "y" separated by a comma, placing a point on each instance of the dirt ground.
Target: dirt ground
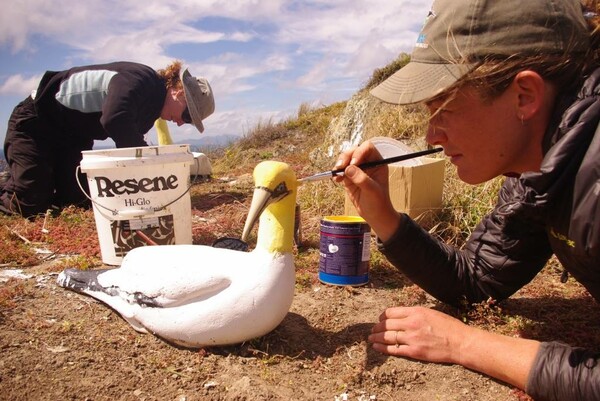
{"x": 59, "y": 345}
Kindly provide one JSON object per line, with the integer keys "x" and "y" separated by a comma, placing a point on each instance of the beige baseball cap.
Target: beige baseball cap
{"x": 199, "y": 98}
{"x": 459, "y": 32}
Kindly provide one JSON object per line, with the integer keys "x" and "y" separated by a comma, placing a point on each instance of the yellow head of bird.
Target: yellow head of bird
{"x": 274, "y": 202}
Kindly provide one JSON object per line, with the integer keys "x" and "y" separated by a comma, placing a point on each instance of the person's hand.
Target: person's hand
{"x": 419, "y": 333}
{"x": 429, "y": 335}
{"x": 369, "y": 190}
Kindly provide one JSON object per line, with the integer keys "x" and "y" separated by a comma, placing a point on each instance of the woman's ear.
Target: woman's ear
{"x": 175, "y": 93}
{"x": 532, "y": 91}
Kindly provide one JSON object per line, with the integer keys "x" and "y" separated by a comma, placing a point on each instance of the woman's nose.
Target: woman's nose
{"x": 434, "y": 136}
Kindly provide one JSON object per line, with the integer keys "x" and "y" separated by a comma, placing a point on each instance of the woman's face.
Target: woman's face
{"x": 483, "y": 139}
{"x": 174, "y": 106}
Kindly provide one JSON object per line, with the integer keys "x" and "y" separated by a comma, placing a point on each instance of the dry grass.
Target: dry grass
{"x": 290, "y": 140}
{"x": 404, "y": 123}
{"x": 381, "y": 74}
{"x": 463, "y": 206}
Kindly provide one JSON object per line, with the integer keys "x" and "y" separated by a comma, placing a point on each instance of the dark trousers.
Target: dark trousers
{"x": 42, "y": 163}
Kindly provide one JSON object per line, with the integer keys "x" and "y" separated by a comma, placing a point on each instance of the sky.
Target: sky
{"x": 263, "y": 58}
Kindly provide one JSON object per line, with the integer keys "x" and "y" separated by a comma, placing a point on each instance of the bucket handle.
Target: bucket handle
{"x": 134, "y": 212}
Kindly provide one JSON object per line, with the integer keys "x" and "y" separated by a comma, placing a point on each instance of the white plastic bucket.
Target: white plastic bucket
{"x": 140, "y": 197}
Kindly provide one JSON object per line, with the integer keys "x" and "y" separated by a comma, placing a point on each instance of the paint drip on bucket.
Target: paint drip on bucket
{"x": 344, "y": 250}
{"x": 140, "y": 197}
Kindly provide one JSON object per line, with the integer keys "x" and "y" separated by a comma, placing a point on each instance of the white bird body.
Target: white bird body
{"x": 195, "y": 295}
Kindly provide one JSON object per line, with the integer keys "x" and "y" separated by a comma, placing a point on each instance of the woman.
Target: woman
{"x": 512, "y": 89}
{"x": 72, "y": 108}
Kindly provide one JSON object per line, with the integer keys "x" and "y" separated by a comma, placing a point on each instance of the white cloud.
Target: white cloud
{"x": 260, "y": 56}
{"x": 64, "y": 20}
{"x": 231, "y": 73}
{"x": 17, "y": 85}
{"x": 317, "y": 74}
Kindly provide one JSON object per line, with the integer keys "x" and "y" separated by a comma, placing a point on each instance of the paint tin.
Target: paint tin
{"x": 344, "y": 250}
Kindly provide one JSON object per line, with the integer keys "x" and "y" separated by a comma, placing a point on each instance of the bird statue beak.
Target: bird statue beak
{"x": 261, "y": 198}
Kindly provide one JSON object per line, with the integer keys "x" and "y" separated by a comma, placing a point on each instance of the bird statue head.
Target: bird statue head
{"x": 274, "y": 202}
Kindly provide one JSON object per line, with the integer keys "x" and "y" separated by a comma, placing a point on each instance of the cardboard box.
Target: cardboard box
{"x": 414, "y": 190}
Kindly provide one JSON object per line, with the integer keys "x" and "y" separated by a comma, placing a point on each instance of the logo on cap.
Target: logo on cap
{"x": 421, "y": 39}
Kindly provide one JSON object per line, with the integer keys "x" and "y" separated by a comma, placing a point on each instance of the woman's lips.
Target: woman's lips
{"x": 454, "y": 157}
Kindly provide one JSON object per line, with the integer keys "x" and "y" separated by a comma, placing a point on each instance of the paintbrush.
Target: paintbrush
{"x": 328, "y": 174}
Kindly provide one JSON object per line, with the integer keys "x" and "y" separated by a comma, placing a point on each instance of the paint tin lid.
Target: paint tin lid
{"x": 389, "y": 147}
{"x": 345, "y": 219}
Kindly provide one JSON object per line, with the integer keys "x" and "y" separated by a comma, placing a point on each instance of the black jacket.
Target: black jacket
{"x": 554, "y": 211}
{"x": 118, "y": 100}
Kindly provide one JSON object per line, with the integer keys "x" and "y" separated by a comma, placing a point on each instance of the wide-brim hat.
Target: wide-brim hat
{"x": 199, "y": 98}
{"x": 457, "y": 34}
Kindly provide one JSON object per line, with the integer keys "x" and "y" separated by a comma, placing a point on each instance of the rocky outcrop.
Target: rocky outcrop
{"x": 366, "y": 117}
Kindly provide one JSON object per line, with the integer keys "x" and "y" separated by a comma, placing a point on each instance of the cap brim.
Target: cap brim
{"x": 416, "y": 82}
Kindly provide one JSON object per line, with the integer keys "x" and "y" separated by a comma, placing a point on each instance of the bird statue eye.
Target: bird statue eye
{"x": 280, "y": 191}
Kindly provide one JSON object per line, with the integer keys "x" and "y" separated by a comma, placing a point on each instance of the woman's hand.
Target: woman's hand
{"x": 429, "y": 335}
{"x": 419, "y": 333}
{"x": 369, "y": 190}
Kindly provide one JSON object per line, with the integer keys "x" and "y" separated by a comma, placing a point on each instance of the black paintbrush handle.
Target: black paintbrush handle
{"x": 389, "y": 160}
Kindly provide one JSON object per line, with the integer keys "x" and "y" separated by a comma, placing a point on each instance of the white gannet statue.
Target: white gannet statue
{"x": 200, "y": 167}
{"x": 196, "y": 295}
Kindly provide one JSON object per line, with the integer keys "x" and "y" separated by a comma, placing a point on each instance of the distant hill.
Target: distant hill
{"x": 196, "y": 144}
{"x": 210, "y": 142}
{"x": 204, "y": 142}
